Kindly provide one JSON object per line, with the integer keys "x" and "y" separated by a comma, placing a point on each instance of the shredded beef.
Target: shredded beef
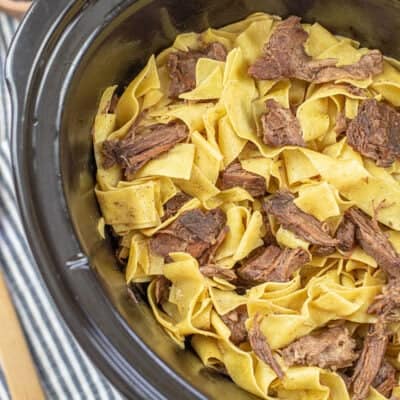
{"x": 280, "y": 126}
{"x": 271, "y": 264}
{"x": 161, "y": 289}
{"x": 235, "y": 176}
{"x": 322, "y": 251}
{"x": 370, "y": 361}
{"x": 269, "y": 237}
{"x": 164, "y": 243}
{"x": 304, "y": 225}
{"x": 194, "y": 232}
{"x": 182, "y": 66}
{"x": 141, "y": 146}
{"x": 208, "y": 255}
{"x": 261, "y": 348}
{"x": 235, "y": 321}
{"x": 375, "y": 132}
{"x": 172, "y": 206}
{"x": 214, "y": 271}
{"x": 387, "y": 304}
{"x": 332, "y": 348}
{"x": 346, "y": 235}
{"x": 374, "y": 242}
{"x": 285, "y": 57}
{"x": 385, "y": 380}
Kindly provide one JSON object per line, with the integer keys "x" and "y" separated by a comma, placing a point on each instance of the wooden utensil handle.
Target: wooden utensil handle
{"x": 15, "y": 358}
{"x": 15, "y": 8}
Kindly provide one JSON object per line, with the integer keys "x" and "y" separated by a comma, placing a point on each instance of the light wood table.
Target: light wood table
{"x": 15, "y": 358}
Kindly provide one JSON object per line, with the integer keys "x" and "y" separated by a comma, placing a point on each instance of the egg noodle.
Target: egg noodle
{"x": 222, "y": 114}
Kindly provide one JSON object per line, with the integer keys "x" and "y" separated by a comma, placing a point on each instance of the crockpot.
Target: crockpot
{"x": 64, "y": 55}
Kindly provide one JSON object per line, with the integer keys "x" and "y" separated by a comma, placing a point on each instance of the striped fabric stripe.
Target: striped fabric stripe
{"x": 65, "y": 370}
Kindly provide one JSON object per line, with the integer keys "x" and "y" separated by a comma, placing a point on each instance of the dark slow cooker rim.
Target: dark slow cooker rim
{"x": 26, "y": 62}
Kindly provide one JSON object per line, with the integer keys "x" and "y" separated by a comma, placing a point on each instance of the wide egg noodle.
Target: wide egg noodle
{"x": 134, "y": 206}
{"x": 104, "y": 125}
{"x": 129, "y": 106}
{"x": 170, "y": 164}
{"x": 229, "y": 143}
{"x": 187, "y": 291}
{"x": 209, "y": 76}
{"x": 207, "y": 158}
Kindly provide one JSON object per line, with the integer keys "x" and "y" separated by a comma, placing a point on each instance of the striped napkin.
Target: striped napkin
{"x": 65, "y": 371}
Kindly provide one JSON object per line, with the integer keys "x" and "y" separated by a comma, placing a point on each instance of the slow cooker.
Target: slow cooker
{"x": 65, "y": 53}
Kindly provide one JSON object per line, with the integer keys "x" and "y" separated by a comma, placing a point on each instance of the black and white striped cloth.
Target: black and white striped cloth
{"x": 65, "y": 370}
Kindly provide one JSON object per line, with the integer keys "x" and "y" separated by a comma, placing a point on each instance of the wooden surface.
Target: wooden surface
{"x": 15, "y": 358}
{"x": 15, "y": 8}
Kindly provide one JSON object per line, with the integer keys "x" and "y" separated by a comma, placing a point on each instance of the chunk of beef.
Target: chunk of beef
{"x": 322, "y": 251}
{"x": 369, "y": 65}
{"x": 280, "y": 126}
{"x": 214, "y": 271}
{"x": 208, "y": 256}
{"x": 182, "y": 66}
{"x": 346, "y": 235}
{"x": 375, "y": 132}
{"x": 271, "y": 264}
{"x": 235, "y": 176}
{"x": 332, "y": 348}
{"x": 235, "y": 321}
{"x": 269, "y": 237}
{"x": 374, "y": 242}
{"x": 387, "y": 304}
{"x": 285, "y": 57}
{"x": 261, "y": 348}
{"x": 164, "y": 243}
{"x": 161, "y": 289}
{"x": 370, "y": 361}
{"x": 194, "y": 232}
{"x": 385, "y": 380}
{"x": 173, "y": 205}
{"x": 307, "y": 227}
{"x": 134, "y": 151}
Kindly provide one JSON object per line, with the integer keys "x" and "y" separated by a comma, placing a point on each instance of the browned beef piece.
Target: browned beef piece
{"x": 163, "y": 244}
{"x": 134, "y": 151}
{"x": 332, "y": 348}
{"x": 235, "y": 321}
{"x": 271, "y": 264}
{"x": 370, "y": 361}
{"x": 304, "y": 225}
{"x": 374, "y": 242}
{"x": 194, "y": 232}
{"x": 385, "y": 380}
{"x": 182, "y": 66}
{"x": 261, "y": 348}
{"x": 285, "y": 57}
{"x": 162, "y": 286}
{"x": 322, "y": 251}
{"x": 269, "y": 237}
{"x": 235, "y": 176}
{"x": 369, "y": 65}
{"x": 214, "y": 271}
{"x": 346, "y": 235}
{"x": 387, "y": 304}
{"x": 172, "y": 206}
{"x": 208, "y": 256}
{"x": 375, "y": 132}
{"x": 280, "y": 126}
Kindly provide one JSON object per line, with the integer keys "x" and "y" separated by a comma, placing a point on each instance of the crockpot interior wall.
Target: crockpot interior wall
{"x": 115, "y": 56}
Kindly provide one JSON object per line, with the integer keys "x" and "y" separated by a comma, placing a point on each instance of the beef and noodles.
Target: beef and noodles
{"x": 251, "y": 175}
